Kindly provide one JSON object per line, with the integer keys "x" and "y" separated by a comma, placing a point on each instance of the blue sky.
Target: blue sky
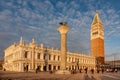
{"x": 39, "y": 19}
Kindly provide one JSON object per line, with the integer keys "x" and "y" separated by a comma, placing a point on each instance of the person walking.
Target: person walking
{"x": 116, "y": 70}
{"x": 92, "y": 71}
{"x": 36, "y": 70}
{"x": 86, "y": 70}
{"x": 98, "y": 71}
{"x": 80, "y": 70}
{"x": 102, "y": 70}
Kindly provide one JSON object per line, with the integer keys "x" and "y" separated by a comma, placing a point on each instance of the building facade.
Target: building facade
{"x": 19, "y": 56}
{"x": 115, "y": 64}
{"x": 97, "y": 39}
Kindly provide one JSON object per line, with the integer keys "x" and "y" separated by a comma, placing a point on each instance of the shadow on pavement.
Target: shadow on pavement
{"x": 108, "y": 78}
{"x": 88, "y": 78}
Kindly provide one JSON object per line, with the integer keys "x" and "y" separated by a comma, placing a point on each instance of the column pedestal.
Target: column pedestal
{"x": 62, "y": 72}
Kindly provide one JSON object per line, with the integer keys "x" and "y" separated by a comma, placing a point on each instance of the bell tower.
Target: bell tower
{"x": 97, "y": 39}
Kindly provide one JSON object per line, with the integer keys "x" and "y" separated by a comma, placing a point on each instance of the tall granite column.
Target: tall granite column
{"x": 63, "y": 29}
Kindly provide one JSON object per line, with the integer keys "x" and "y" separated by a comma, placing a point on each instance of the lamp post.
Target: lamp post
{"x": 77, "y": 63}
{"x": 114, "y": 61}
{"x": 97, "y": 63}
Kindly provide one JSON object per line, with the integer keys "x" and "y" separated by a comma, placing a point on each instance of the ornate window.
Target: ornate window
{"x": 38, "y": 55}
{"x": 95, "y": 33}
{"x": 26, "y": 54}
{"x": 54, "y": 57}
{"x": 58, "y": 58}
{"x": 44, "y": 56}
{"x": 69, "y": 59}
{"x": 49, "y": 57}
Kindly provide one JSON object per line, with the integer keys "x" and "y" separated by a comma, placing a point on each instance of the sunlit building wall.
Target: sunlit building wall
{"x": 18, "y": 56}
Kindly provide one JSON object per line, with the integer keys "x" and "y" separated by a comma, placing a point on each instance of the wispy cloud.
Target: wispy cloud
{"x": 39, "y": 19}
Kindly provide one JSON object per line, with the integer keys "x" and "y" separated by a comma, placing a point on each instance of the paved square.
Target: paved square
{"x": 6, "y": 75}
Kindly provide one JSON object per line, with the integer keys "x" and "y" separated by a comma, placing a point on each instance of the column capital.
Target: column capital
{"x": 63, "y": 28}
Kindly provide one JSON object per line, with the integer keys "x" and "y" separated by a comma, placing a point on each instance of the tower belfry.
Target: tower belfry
{"x": 97, "y": 39}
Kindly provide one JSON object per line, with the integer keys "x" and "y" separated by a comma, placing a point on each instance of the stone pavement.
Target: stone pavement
{"x": 7, "y": 75}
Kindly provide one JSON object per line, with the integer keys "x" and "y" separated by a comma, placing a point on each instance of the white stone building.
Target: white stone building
{"x": 19, "y": 56}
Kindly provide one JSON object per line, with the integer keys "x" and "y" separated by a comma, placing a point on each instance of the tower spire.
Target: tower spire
{"x": 96, "y": 18}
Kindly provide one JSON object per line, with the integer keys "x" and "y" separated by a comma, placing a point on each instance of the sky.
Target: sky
{"x": 39, "y": 19}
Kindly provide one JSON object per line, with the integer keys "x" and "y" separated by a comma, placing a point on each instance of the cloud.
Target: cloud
{"x": 26, "y": 20}
{"x": 39, "y": 19}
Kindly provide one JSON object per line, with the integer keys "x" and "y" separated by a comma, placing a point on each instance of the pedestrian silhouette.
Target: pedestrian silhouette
{"x": 102, "y": 71}
{"x": 92, "y": 71}
{"x": 80, "y": 70}
{"x": 98, "y": 71}
{"x": 86, "y": 70}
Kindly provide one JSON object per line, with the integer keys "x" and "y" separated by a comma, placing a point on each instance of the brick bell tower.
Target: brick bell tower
{"x": 97, "y": 39}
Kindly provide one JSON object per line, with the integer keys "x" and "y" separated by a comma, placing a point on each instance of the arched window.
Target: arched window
{"x": 26, "y": 54}
{"x": 58, "y": 58}
{"x": 54, "y": 57}
{"x": 44, "y": 56}
{"x": 38, "y": 56}
{"x": 49, "y": 57}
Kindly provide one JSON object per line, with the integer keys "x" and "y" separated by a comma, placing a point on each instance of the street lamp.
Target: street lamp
{"x": 77, "y": 63}
{"x": 97, "y": 65}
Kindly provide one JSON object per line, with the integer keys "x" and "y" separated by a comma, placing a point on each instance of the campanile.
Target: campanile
{"x": 97, "y": 39}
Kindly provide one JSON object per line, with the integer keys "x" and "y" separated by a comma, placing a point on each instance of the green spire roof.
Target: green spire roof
{"x": 96, "y": 19}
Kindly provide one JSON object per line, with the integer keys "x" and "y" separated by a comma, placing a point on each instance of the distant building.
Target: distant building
{"x": 112, "y": 64}
{"x": 18, "y": 56}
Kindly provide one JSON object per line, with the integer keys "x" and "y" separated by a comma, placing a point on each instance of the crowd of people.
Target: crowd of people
{"x": 112, "y": 70}
{"x": 73, "y": 71}
{"x": 92, "y": 71}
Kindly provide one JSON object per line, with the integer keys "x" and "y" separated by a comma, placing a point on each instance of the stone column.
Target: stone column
{"x": 42, "y": 67}
{"x": 63, "y": 29}
{"x": 33, "y": 58}
{"x": 22, "y": 68}
{"x": 41, "y": 56}
{"x": 33, "y": 45}
{"x": 56, "y": 67}
{"x": 51, "y": 67}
